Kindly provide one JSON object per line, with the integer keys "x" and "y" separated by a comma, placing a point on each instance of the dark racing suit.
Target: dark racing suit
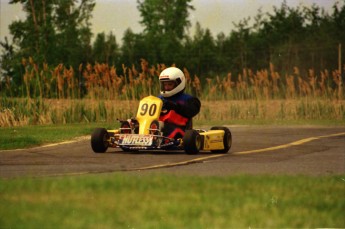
{"x": 177, "y": 113}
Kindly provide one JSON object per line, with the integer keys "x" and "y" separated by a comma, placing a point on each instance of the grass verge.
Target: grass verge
{"x": 167, "y": 201}
{"x": 29, "y": 136}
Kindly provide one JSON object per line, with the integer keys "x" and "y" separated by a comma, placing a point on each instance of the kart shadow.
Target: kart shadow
{"x": 161, "y": 152}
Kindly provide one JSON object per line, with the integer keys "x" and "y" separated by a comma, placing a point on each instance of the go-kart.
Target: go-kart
{"x": 145, "y": 132}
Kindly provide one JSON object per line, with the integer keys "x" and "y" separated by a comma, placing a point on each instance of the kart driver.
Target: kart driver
{"x": 178, "y": 107}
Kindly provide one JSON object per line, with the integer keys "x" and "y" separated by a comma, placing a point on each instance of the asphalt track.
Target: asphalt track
{"x": 255, "y": 150}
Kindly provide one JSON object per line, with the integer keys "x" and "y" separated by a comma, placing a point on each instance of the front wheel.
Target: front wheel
{"x": 227, "y": 139}
{"x": 100, "y": 140}
{"x": 192, "y": 142}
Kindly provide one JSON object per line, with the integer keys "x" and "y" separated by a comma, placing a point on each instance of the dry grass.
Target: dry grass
{"x": 283, "y": 109}
{"x": 102, "y": 81}
{"x": 99, "y": 93}
{"x": 89, "y": 110}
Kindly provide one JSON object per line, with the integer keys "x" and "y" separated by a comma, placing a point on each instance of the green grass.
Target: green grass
{"x": 29, "y": 136}
{"x": 167, "y": 201}
{"x": 123, "y": 200}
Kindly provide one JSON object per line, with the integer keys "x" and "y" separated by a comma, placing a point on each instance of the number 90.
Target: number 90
{"x": 145, "y": 108}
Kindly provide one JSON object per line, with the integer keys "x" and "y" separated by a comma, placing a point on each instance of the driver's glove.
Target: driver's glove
{"x": 169, "y": 105}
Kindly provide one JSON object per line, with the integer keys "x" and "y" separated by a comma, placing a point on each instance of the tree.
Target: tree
{"x": 105, "y": 49}
{"x": 165, "y": 25}
{"x": 284, "y": 32}
{"x": 73, "y": 32}
{"x": 200, "y": 52}
{"x": 132, "y": 49}
{"x": 165, "y": 17}
{"x": 6, "y": 63}
{"x": 53, "y": 32}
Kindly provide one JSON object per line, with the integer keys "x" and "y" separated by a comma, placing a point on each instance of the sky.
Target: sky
{"x": 118, "y": 15}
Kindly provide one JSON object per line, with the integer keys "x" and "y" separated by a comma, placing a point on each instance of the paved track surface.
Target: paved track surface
{"x": 255, "y": 150}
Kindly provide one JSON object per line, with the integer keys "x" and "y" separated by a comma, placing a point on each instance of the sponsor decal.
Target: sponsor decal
{"x": 215, "y": 139}
{"x": 137, "y": 140}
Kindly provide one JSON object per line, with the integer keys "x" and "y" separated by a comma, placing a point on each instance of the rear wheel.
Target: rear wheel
{"x": 192, "y": 142}
{"x": 227, "y": 139}
{"x": 99, "y": 140}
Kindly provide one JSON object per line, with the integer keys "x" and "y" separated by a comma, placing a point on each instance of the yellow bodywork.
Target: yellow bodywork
{"x": 213, "y": 140}
{"x": 149, "y": 110}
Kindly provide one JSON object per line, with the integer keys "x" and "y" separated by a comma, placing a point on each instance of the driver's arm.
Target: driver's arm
{"x": 190, "y": 108}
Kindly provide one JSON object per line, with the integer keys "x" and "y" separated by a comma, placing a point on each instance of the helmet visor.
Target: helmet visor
{"x": 168, "y": 85}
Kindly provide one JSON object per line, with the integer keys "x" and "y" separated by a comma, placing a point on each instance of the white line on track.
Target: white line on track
{"x": 52, "y": 144}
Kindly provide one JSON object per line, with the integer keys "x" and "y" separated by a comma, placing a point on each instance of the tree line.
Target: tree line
{"x": 59, "y": 32}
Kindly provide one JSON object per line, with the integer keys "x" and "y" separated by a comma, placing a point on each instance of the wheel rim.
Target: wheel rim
{"x": 154, "y": 128}
{"x": 198, "y": 142}
{"x": 105, "y": 140}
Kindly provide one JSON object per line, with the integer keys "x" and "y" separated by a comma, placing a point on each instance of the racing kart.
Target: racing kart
{"x": 145, "y": 132}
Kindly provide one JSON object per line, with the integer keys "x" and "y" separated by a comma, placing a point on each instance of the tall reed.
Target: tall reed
{"x": 101, "y": 92}
{"x": 101, "y": 81}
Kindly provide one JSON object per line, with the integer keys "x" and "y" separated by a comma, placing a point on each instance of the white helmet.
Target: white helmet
{"x": 174, "y": 75}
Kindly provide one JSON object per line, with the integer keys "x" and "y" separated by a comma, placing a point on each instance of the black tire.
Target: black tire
{"x": 227, "y": 139}
{"x": 192, "y": 142}
{"x": 99, "y": 140}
